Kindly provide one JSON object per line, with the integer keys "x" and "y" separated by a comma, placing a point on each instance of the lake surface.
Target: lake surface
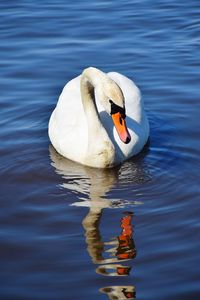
{"x": 70, "y": 232}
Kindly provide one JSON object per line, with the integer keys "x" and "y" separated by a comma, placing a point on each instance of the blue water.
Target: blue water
{"x": 61, "y": 224}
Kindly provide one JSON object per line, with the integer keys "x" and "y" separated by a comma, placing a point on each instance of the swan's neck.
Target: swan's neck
{"x": 97, "y": 135}
{"x": 88, "y": 84}
{"x": 90, "y": 79}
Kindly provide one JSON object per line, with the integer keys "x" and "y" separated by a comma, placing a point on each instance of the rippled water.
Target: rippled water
{"x": 70, "y": 232}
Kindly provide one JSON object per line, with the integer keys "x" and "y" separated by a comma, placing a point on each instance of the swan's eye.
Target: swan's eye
{"x": 116, "y": 108}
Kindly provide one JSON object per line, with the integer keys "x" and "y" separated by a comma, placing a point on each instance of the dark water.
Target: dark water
{"x": 69, "y": 232}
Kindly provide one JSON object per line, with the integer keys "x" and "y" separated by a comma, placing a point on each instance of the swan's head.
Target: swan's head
{"x": 112, "y": 99}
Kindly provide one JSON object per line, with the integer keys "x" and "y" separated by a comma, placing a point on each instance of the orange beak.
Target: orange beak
{"x": 121, "y": 128}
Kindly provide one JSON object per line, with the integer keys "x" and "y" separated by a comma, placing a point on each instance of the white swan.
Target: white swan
{"x": 99, "y": 120}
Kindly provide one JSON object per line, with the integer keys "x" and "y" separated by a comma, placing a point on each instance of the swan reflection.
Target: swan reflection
{"x": 111, "y": 257}
{"x": 119, "y": 292}
{"x": 122, "y": 249}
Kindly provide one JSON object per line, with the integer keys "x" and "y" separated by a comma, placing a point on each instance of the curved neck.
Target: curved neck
{"x": 89, "y": 80}
{"x": 100, "y": 147}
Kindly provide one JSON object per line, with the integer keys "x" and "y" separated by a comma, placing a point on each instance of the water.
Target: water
{"x": 69, "y": 232}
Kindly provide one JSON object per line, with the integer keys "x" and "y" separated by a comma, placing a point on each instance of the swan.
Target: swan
{"x": 99, "y": 120}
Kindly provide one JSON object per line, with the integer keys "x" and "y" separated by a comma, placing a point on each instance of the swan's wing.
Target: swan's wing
{"x": 68, "y": 126}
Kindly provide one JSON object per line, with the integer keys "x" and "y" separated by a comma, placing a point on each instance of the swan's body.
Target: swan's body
{"x": 81, "y": 129}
